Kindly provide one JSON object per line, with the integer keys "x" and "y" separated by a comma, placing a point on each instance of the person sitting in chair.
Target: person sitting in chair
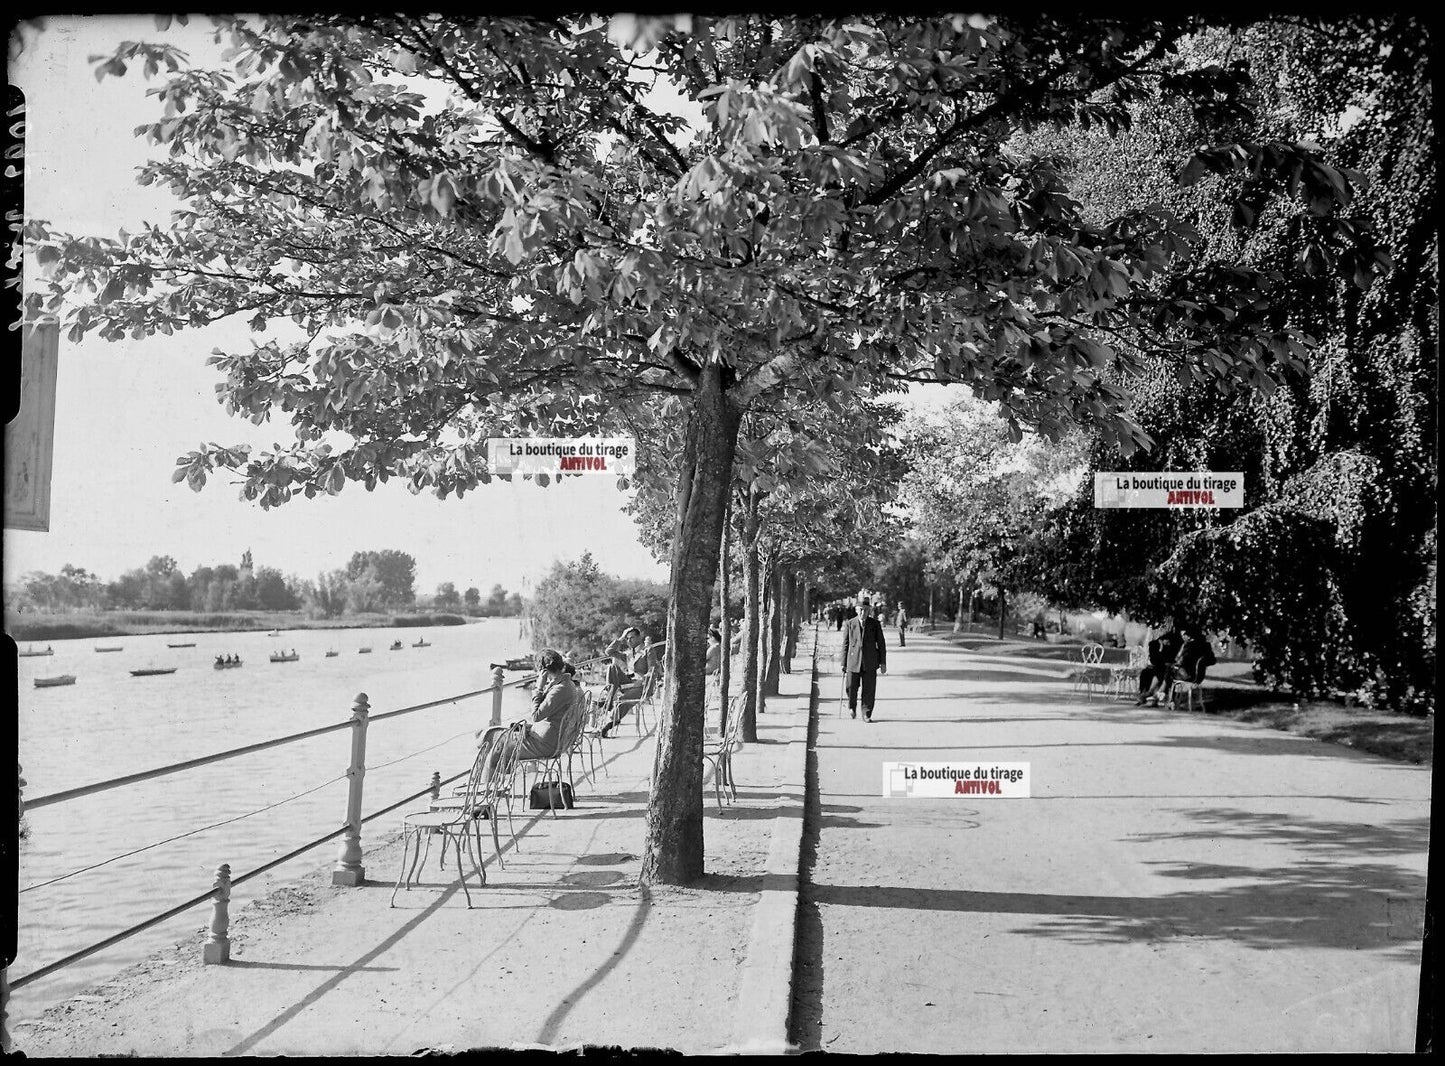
{"x": 620, "y": 680}
{"x": 1195, "y": 656}
{"x": 1154, "y": 677}
{"x": 544, "y": 728}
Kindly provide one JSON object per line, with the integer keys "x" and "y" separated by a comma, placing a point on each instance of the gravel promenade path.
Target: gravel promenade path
{"x": 1175, "y": 883}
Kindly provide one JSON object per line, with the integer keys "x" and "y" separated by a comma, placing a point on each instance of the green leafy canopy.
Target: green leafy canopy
{"x": 465, "y": 226}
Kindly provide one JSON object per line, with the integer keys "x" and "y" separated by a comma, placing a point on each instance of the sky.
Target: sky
{"x": 126, "y": 410}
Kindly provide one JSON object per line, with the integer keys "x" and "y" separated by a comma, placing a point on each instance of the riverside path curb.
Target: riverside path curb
{"x": 760, "y": 1017}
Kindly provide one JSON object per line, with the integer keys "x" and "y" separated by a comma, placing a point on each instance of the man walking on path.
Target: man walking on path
{"x": 865, "y": 656}
{"x": 901, "y": 620}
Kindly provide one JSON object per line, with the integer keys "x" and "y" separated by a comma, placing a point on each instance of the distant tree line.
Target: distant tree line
{"x": 371, "y": 581}
{"x": 499, "y": 603}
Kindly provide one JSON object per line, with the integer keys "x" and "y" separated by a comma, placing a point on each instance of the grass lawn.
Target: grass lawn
{"x": 1232, "y": 693}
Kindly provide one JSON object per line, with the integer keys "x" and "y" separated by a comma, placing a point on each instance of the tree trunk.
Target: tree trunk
{"x": 724, "y": 660}
{"x": 973, "y": 604}
{"x": 765, "y": 625}
{"x": 1002, "y": 610}
{"x": 775, "y": 634}
{"x": 958, "y": 615}
{"x": 751, "y": 595}
{"x": 673, "y": 848}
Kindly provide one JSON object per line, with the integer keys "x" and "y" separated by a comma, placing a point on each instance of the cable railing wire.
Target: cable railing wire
{"x": 423, "y": 751}
{"x": 140, "y": 927}
{"x": 188, "y": 764}
{"x": 181, "y": 836}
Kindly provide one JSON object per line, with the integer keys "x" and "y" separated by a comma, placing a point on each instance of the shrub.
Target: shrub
{"x": 577, "y": 608}
{"x": 402, "y": 621}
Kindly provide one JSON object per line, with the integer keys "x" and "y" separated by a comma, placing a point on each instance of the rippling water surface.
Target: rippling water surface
{"x": 109, "y": 723}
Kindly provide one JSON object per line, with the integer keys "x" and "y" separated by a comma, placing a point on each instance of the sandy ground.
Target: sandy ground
{"x": 562, "y": 948}
{"x": 1176, "y": 883}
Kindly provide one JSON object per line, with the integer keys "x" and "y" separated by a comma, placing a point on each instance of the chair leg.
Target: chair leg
{"x": 511, "y": 829}
{"x": 496, "y": 841}
{"x": 457, "y": 844}
{"x": 475, "y": 850}
{"x": 405, "y": 845}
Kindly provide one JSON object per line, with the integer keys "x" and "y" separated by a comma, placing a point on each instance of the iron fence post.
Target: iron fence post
{"x": 348, "y": 870}
{"x": 499, "y": 676}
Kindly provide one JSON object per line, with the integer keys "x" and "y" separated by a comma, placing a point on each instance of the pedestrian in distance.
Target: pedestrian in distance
{"x": 901, "y": 620}
{"x": 865, "y": 656}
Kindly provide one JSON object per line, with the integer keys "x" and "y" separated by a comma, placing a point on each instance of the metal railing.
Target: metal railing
{"x": 348, "y": 869}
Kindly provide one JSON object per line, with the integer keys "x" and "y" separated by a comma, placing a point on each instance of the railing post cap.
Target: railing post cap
{"x": 361, "y": 704}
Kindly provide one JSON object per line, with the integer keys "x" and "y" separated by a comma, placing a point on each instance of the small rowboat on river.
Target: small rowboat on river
{"x": 222, "y": 664}
{"x": 116, "y": 647}
{"x": 47, "y": 650}
{"x": 333, "y": 653}
{"x": 421, "y": 643}
{"x": 396, "y": 645}
{"x": 192, "y": 644}
{"x": 363, "y": 651}
{"x": 153, "y": 671}
{"x": 55, "y": 682}
{"x": 293, "y": 657}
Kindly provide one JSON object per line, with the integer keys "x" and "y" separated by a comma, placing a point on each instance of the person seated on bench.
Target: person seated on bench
{"x": 1154, "y": 677}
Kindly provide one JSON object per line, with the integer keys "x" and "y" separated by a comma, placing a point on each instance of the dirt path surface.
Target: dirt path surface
{"x": 1175, "y": 883}
{"x": 563, "y": 947}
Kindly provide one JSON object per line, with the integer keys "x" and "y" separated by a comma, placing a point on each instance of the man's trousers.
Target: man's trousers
{"x": 868, "y": 679}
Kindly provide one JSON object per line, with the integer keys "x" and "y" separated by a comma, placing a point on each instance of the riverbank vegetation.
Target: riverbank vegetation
{"x": 44, "y": 625}
{"x": 578, "y": 609}
{"x": 372, "y": 585}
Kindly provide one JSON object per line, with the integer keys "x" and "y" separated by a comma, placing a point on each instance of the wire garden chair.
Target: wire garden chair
{"x": 720, "y": 755}
{"x": 1088, "y": 674}
{"x": 1121, "y": 675}
{"x": 647, "y": 699}
{"x": 598, "y": 714}
{"x": 455, "y": 822}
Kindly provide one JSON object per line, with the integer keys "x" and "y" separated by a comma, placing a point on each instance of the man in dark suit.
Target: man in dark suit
{"x": 865, "y": 656}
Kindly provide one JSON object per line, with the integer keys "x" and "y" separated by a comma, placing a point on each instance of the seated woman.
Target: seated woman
{"x": 555, "y": 700}
{"x": 714, "y": 652}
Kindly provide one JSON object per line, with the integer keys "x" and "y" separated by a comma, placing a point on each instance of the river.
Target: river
{"x": 110, "y": 723}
